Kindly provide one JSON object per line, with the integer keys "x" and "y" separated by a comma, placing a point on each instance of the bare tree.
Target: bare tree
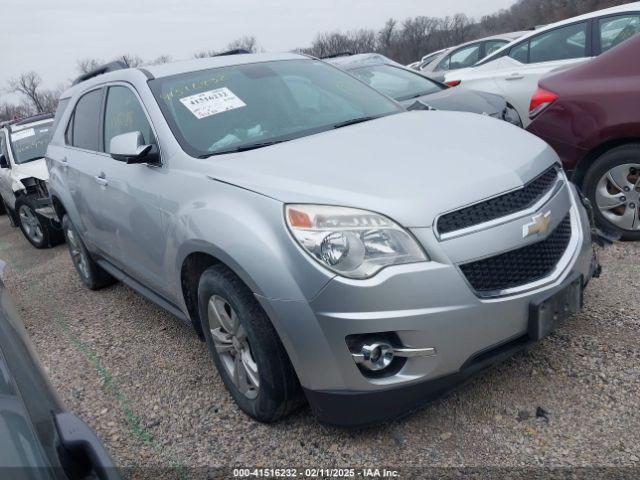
{"x": 28, "y": 85}
{"x": 12, "y": 111}
{"x": 248, "y": 43}
{"x": 161, "y": 59}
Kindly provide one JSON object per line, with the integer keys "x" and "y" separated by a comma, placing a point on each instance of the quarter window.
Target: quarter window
{"x": 124, "y": 114}
{"x": 62, "y": 105}
{"x": 86, "y": 122}
{"x": 615, "y": 30}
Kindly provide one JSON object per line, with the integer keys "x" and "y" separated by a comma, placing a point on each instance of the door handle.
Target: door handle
{"x": 100, "y": 180}
{"x": 64, "y": 162}
{"x": 515, "y": 76}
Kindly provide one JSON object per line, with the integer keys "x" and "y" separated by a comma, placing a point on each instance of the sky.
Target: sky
{"x": 49, "y": 36}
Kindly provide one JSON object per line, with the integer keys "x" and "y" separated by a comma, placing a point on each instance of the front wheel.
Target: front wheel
{"x": 36, "y": 228}
{"x": 612, "y": 184}
{"x": 245, "y": 347}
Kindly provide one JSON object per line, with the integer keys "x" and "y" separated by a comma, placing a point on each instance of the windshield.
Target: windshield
{"x": 240, "y": 107}
{"x": 30, "y": 142}
{"x": 396, "y": 82}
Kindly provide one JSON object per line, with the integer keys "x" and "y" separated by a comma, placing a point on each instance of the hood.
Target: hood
{"x": 35, "y": 168}
{"x": 409, "y": 166}
{"x": 462, "y": 100}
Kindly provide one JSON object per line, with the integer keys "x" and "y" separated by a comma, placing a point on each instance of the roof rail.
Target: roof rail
{"x": 107, "y": 67}
{"x": 334, "y": 55}
{"x": 31, "y": 119}
{"x": 235, "y": 51}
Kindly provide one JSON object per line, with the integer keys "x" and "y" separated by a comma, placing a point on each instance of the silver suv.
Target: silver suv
{"x": 301, "y": 223}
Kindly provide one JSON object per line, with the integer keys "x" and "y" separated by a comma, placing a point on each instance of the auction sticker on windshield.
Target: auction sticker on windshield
{"x": 29, "y": 132}
{"x": 212, "y": 102}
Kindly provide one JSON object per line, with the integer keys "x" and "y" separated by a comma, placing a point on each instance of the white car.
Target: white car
{"x": 23, "y": 180}
{"x": 437, "y": 64}
{"x": 514, "y": 70}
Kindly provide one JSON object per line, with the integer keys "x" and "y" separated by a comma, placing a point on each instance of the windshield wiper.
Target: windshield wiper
{"x": 243, "y": 148}
{"x": 353, "y": 121}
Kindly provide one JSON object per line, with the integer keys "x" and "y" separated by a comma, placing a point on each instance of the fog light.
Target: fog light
{"x": 376, "y": 356}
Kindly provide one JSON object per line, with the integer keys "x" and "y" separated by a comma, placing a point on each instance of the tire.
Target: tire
{"x": 3, "y": 209}
{"x": 616, "y": 202}
{"x": 91, "y": 274}
{"x": 254, "y": 344}
{"x": 37, "y": 229}
{"x": 11, "y": 214}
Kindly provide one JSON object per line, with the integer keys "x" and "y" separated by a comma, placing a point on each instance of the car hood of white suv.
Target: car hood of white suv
{"x": 410, "y": 166}
{"x": 35, "y": 168}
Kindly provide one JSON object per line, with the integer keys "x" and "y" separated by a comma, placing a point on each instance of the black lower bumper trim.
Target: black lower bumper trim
{"x": 360, "y": 408}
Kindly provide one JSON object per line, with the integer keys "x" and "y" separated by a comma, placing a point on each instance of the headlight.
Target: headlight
{"x": 510, "y": 114}
{"x": 353, "y": 243}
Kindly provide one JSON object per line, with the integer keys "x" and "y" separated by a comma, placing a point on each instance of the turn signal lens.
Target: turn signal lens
{"x": 453, "y": 83}
{"x": 541, "y": 99}
{"x": 298, "y": 219}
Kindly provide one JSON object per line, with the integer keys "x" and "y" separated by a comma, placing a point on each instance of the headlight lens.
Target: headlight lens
{"x": 353, "y": 243}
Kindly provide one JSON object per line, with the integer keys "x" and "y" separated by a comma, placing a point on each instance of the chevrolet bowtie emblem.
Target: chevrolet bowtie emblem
{"x": 539, "y": 224}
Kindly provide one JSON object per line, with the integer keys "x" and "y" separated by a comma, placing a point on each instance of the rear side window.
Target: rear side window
{"x": 86, "y": 122}
{"x": 444, "y": 64}
{"x": 560, "y": 44}
{"x": 493, "y": 46}
{"x": 124, "y": 114}
{"x": 466, "y": 57}
{"x": 520, "y": 52}
{"x": 615, "y": 30}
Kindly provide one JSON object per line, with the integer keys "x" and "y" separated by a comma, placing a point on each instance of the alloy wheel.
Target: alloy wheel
{"x": 78, "y": 256}
{"x": 617, "y": 196}
{"x": 30, "y": 223}
{"x": 232, "y": 345}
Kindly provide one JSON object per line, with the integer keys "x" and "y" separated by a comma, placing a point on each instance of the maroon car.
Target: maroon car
{"x": 590, "y": 115}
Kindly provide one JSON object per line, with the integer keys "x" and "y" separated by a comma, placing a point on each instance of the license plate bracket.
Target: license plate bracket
{"x": 546, "y": 315}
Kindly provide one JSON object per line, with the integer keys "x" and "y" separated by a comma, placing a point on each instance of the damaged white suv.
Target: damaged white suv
{"x": 23, "y": 180}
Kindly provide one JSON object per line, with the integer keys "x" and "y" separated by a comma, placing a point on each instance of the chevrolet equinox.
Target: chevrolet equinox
{"x": 326, "y": 243}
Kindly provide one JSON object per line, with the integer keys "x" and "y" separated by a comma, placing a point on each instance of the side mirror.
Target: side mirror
{"x": 129, "y": 148}
{"x": 4, "y": 163}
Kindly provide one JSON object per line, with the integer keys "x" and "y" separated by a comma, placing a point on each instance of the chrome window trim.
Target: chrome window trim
{"x": 561, "y": 180}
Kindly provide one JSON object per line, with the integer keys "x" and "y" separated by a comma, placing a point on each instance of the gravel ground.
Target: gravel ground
{"x": 143, "y": 381}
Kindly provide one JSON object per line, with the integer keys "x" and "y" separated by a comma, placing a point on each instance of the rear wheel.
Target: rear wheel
{"x": 91, "y": 274}
{"x": 246, "y": 348}
{"x": 36, "y": 228}
{"x": 612, "y": 184}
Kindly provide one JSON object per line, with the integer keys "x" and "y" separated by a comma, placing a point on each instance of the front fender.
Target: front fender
{"x": 247, "y": 232}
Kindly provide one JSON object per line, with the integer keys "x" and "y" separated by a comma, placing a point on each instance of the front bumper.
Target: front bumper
{"x": 427, "y": 305}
